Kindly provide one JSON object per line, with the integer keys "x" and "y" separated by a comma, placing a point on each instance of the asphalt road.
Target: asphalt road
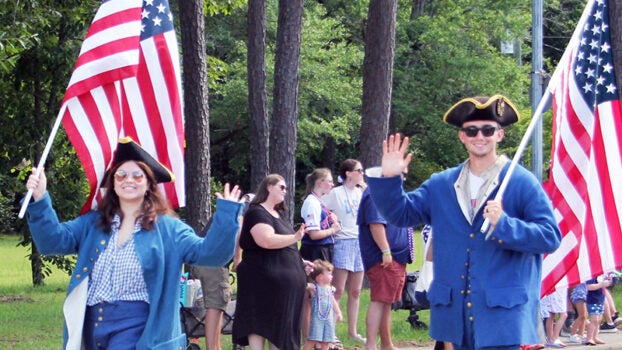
{"x": 613, "y": 341}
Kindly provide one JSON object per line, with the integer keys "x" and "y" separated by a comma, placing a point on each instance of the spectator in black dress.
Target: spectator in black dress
{"x": 271, "y": 275}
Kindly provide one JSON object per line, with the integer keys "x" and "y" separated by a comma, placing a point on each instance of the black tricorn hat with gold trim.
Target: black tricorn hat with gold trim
{"x": 128, "y": 149}
{"x": 497, "y": 108}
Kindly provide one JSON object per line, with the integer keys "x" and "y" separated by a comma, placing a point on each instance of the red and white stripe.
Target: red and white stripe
{"x": 586, "y": 160}
{"x": 122, "y": 86}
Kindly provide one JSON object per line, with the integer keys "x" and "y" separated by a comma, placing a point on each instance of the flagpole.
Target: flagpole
{"x": 538, "y": 114}
{"x": 44, "y": 156}
{"x": 519, "y": 152}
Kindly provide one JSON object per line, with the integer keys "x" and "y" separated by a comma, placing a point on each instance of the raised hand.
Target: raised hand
{"x": 394, "y": 157}
{"x": 230, "y": 195}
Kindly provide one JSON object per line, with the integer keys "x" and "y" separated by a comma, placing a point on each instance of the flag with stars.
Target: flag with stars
{"x": 586, "y": 156}
{"x": 126, "y": 82}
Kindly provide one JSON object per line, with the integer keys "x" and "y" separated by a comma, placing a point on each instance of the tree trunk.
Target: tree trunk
{"x": 283, "y": 131}
{"x": 257, "y": 95}
{"x": 615, "y": 23}
{"x": 417, "y": 9}
{"x": 377, "y": 78}
{"x": 36, "y": 260}
{"x": 196, "y": 113}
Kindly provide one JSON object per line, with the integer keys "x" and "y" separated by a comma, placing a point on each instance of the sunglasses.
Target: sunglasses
{"x": 121, "y": 175}
{"x": 283, "y": 187}
{"x": 487, "y": 130}
{"x": 359, "y": 170}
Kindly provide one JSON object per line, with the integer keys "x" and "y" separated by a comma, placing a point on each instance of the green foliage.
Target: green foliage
{"x": 330, "y": 89}
{"x": 450, "y": 52}
{"x": 559, "y": 22}
{"x": 32, "y": 89}
{"x": 225, "y": 7}
{"x": 17, "y": 31}
{"x": 352, "y": 14}
{"x": 330, "y": 86}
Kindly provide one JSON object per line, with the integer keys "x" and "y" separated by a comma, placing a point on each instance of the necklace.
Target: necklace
{"x": 353, "y": 209}
{"x": 322, "y": 314}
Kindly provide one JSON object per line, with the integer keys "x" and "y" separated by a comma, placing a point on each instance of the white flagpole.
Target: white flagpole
{"x": 44, "y": 156}
{"x": 540, "y": 109}
{"x": 519, "y": 152}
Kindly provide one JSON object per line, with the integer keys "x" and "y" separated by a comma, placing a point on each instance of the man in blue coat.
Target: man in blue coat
{"x": 486, "y": 286}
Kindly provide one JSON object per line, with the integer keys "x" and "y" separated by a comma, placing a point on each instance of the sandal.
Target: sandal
{"x": 335, "y": 345}
{"x": 359, "y": 339}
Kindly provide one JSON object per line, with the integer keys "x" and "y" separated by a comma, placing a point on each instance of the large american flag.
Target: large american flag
{"x": 126, "y": 82}
{"x": 586, "y": 161}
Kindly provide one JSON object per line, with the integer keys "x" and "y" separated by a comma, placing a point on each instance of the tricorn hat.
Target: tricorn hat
{"x": 128, "y": 149}
{"x": 497, "y": 108}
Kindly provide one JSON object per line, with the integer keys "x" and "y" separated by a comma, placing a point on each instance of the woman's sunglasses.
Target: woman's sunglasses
{"x": 487, "y": 130}
{"x": 121, "y": 175}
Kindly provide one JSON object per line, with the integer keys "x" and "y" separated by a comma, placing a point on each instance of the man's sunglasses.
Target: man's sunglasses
{"x": 121, "y": 175}
{"x": 487, "y": 130}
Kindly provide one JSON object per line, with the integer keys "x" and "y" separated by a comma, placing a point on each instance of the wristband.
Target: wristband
{"x": 386, "y": 252}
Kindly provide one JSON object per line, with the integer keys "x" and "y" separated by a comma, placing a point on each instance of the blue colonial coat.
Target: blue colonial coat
{"x": 161, "y": 252}
{"x": 490, "y": 285}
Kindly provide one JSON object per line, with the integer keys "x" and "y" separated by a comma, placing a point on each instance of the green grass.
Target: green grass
{"x": 31, "y": 318}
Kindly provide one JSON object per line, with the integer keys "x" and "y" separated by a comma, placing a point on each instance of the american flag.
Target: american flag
{"x": 586, "y": 156}
{"x": 126, "y": 82}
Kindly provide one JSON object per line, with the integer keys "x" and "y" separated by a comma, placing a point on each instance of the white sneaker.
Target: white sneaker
{"x": 575, "y": 339}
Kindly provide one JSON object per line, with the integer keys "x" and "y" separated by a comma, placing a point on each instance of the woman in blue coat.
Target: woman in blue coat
{"x": 486, "y": 286}
{"x": 124, "y": 290}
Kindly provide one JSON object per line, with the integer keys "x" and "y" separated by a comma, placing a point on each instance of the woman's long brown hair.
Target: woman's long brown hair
{"x": 153, "y": 204}
{"x": 261, "y": 195}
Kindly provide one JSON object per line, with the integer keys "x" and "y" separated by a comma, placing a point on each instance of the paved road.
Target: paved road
{"x": 613, "y": 342}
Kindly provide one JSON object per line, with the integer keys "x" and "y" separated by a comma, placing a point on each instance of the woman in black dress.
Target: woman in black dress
{"x": 271, "y": 276}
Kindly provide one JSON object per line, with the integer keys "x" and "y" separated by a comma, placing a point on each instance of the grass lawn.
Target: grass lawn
{"x": 31, "y": 318}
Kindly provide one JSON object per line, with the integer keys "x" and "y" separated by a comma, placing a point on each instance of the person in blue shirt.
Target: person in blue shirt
{"x": 386, "y": 250}
{"x": 595, "y": 302}
{"x": 124, "y": 291}
{"x": 486, "y": 285}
